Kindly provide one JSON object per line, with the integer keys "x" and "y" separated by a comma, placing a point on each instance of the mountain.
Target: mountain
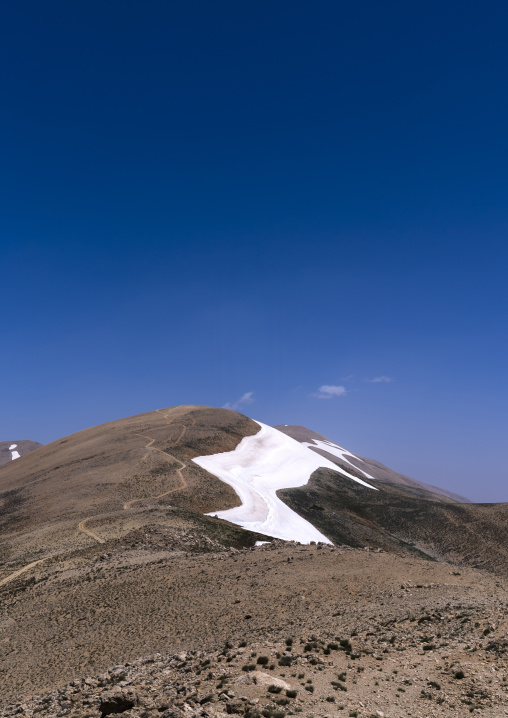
{"x": 155, "y": 534}
{"x": 204, "y": 464}
{"x": 10, "y": 450}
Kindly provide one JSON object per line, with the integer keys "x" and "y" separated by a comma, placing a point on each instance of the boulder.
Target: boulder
{"x": 117, "y": 701}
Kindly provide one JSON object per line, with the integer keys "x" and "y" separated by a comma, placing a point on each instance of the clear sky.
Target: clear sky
{"x": 303, "y": 204}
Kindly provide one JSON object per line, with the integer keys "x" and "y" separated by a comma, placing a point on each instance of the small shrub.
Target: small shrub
{"x": 262, "y": 660}
{"x": 310, "y": 688}
{"x": 435, "y": 685}
{"x": 285, "y": 661}
{"x": 333, "y": 646}
{"x": 289, "y": 641}
{"x": 274, "y": 689}
{"x": 342, "y": 677}
{"x": 282, "y": 701}
{"x": 291, "y": 693}
{"x": 272, "y": 713}
{"x": 330, "y": 699}
{"x": 249, "y": 667}
{"x": 242, "y": 644}
{"x": 458, "y": 675}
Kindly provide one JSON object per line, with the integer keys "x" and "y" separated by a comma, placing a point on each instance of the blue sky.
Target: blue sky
{"x": 201, "y": 201}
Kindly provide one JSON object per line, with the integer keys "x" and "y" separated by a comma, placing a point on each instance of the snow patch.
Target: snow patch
{"x": 258, "y": 467}
{"x": 14, "y": 454}
{"x": 338, "y": 451}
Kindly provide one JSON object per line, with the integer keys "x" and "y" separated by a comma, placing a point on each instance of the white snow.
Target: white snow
{"x": 258, "y": 467}
{"x": 338, "y": 451}
{"x": 15, "y": 454}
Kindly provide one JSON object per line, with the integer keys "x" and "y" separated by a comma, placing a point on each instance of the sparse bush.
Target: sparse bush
{"x": 272, "y": 713}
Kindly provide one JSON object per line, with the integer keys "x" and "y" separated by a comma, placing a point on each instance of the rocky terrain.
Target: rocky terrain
{"x": 271, "y": 631}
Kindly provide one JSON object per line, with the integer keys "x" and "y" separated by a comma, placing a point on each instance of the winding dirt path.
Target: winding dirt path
{"x": 171, "y": 458}
{"x": 82, "y": 527}
{"x": 17, "y": 573}
{"x": 183, "y": 483}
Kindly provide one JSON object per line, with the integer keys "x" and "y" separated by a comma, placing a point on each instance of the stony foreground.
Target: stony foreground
{"x": 359, "y": 676}
{"x": 274, "y": 631}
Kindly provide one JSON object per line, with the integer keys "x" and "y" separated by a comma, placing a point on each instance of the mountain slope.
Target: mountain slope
{"x": 365, "y": 467}
{"x": 98, "y": 484}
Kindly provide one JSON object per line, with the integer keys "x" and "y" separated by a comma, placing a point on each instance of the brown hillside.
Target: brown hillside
{"x": 54, "y": 499}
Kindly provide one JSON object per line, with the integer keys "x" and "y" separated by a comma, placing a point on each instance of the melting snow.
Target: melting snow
{"x": 258, "y": 467}
{"x": 338, "y": 451}
{"x": 15, "y": 454}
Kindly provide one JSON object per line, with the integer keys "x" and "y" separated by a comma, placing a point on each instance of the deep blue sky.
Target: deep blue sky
{"x": 201, "y": 200}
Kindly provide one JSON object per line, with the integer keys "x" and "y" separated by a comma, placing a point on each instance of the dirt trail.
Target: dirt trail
{"x": 20, "y": 571}
{"x": 93, "y": 535}
{"x": 183, "y": 483}
{"x": 171, "y": 458}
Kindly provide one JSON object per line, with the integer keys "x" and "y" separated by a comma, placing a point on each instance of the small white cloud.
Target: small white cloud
{"x": 329, "y": 391}
{"x": 380, "y": 380}
{"x": 244, "y": 400}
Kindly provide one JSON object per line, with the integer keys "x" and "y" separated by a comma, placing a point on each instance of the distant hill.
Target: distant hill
{"x": 10, "y": 450}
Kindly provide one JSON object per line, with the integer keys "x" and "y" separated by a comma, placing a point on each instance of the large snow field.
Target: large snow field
{"x": 338, "y": 451}
{"x": 258, "y": 467}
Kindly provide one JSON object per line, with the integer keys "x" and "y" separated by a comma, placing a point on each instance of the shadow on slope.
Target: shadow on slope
{"x": 400, "y": 519}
